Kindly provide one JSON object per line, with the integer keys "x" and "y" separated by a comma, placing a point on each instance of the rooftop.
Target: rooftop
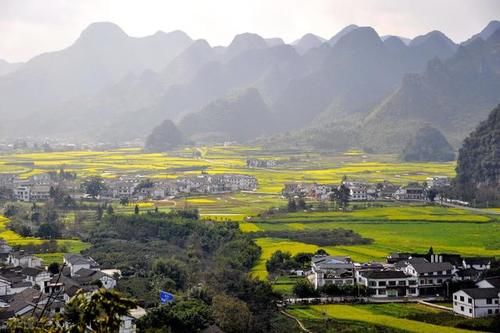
{"x": 481, "y": 293}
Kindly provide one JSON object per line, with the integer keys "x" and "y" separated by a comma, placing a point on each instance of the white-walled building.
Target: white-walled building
{"x": 387, "y": 284}
{"x": 331, "y": 270}
{"x": 477, "y": 302}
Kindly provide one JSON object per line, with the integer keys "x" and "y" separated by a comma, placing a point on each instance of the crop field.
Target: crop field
{"x": 391, "y": 228}
{"x": 13, "y": 239}
{"x": 294, "y": 167}
{"x": 387, "y": 315}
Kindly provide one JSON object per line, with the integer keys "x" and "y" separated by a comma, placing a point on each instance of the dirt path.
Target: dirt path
{"x": 301, "y": 325}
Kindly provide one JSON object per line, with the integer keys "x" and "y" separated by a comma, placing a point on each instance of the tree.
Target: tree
{"x": 136, "y": 209}
{"x": 303, "y": 288}
{"x": 49, "y": 231}
{"x": 110, "y": 210}
{"x": 231, "y": 314}
{"x": 53, "y": 268}
{"x": 124, "y": 201}
{"x": 94, "y": 186}
{"x": 292, "y": 205}
{"x": 102, "y": 311}
{"x": 431, "y": 194}
{"x": 99, "y": 212}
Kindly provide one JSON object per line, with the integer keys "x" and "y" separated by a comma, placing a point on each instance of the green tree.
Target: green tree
{"x": 94, "y": 186}
{"x": 136, "y": 209}
{"x": 303, "y": 288}
{"x": 292, "y": 205}
{"x": 231, "y": 314}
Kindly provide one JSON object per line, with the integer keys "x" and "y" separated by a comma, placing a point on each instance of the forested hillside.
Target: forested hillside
{"x": 478, "y": 165}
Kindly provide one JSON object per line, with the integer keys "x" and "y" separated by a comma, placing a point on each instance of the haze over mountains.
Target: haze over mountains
{"x": 353, "y": 89}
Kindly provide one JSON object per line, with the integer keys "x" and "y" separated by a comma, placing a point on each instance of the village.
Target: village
{"x": 28, "y": 287}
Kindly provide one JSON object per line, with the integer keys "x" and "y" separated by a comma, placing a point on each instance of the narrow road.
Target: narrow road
{"x": 301, "y": 325}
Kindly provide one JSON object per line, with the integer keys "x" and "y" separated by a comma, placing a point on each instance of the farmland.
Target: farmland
{"x": 393, "y": 227}
{"x": 404, "y": 317}
{"x": 13, "y": 239}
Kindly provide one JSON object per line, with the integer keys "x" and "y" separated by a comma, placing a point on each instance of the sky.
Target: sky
{"x": 31, "y": 27}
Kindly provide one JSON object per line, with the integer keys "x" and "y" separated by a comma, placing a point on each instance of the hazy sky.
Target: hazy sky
{"x": 30, "y": 27}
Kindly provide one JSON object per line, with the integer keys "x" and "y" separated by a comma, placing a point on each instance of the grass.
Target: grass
{"x": 284, "y": 284}
{"x": 380, "y": 314}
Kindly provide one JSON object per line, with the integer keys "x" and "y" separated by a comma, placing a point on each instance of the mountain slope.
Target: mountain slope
{"x": 452, "y": 95}
{"x": 164, "y": 137}
{"x": 102, "y": 55}
{"x": 6, "y": 67}
{"x": 428, "y": 145}
{"x": 240, "y": 117}
{"x": 478, "y": 165}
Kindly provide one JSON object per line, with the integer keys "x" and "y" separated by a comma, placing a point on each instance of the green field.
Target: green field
{"x": 404, "y": 229}
{"x": 13, "y": 239}
{"x": 393, "y": 228}
{"x": 387, "y": 315}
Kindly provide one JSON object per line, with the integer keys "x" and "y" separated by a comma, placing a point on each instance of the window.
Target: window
{"x": 392, "y": 283}
{"x": 381, "y": 292}
{"x": 455, "y": 303}
{"x": 381, "y": 283}
{"x": 422, "y": 281}
{"x": 462, "y": 298}
{"x": 470, "y": 310}
{"x": 402, "y": 283}
{"x": 439, "y": 281}
{"x": 490, "y": 311}
{"x": 455, "y": 297}
{"x": 434, "y": 273}
{"x": 489, "y": 301}
{"x": 496, "y": 311}
{"x": 373, "y": 284}
{"x": 469, "y": 300}
{"x": 462, "y": 308}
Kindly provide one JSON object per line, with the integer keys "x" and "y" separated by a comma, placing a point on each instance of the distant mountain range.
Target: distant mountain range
{"x": 353, "y": 89}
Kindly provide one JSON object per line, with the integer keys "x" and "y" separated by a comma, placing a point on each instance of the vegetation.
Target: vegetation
{"x": 399, "y": 317}
{"x": 428, "y": 144}
{"x": 164, "y": 137}
{"x": 478, "y": 165}
{"x": 102, "y": 311}
{"x": 205, "y": 264}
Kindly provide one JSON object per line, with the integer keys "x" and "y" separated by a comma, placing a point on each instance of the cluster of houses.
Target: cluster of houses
{"x": 261, "y": 163}
{"x": 38, "y": 187}
{"x": 136, "y": 188}
{"x": 364, "y": 191}
{"x": 407, "y": 276}
{"x": 27, "y": 287}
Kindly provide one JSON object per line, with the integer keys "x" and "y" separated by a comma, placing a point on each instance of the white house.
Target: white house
{"x": 477, "y": 263}
{"x": 24, "y": 260}
{"x": 477, "y": 302}
{"x": 37, "y": 276}
{"x": 431, "y": 276}
{"x": 493, "y": 282}
{"x": 331, "y": 270}
{"x": 387, "y": 284}
{"x": 88, "y": 276}
{"x": 75, "y": 262}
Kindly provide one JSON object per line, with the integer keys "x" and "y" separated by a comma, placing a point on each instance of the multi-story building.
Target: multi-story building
{"x": 331, "y": 270}
{"x": 388, "y": 283}
{"x": 431, "y": 276}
